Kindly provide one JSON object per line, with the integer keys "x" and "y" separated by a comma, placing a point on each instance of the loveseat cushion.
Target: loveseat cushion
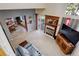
{"x": 32, "y": 50}
{"x": 22, "y": 51}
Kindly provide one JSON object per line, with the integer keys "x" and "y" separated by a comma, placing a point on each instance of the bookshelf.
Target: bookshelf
{"x": 51, "y": 23}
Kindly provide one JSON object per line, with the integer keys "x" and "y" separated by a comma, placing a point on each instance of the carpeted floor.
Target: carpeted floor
{"x": 45, "y": 43}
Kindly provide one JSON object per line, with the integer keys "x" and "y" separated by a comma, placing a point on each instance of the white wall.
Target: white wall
{"x": 5, "y": 44}
{"x": 56, "y": 9}
{"x": 4, "y": 6}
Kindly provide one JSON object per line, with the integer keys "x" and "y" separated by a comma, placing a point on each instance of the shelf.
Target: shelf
{"x": 51, "y": 25}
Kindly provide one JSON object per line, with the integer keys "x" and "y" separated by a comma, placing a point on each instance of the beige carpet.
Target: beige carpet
{"x": 45, "y": 43}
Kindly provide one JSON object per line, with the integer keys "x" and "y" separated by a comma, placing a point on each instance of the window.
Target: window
{"x": 72, "y": 9}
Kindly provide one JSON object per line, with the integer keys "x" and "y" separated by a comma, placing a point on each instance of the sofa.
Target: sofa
{"x": 28, "y": 49}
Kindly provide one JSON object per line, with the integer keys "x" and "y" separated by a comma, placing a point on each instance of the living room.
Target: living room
{"x": 53, "y": 17}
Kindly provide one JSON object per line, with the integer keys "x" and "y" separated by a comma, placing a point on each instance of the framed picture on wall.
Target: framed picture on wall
{"x": 68, "y": 21}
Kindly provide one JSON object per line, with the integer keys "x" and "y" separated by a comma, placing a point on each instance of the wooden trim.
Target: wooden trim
{"x": 25, "y": 23}
{"x": 36, "y": 16}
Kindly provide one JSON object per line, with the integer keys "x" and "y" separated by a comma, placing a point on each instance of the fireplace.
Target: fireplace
{"x": 49, "y": 30}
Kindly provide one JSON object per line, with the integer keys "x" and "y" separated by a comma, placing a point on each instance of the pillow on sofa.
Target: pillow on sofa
{"x": 23, "y": 51}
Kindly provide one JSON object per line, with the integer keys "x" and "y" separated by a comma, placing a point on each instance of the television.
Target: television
{"x": 71, "y": 34}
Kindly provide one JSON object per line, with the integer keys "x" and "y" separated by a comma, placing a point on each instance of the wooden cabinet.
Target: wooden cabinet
{"x": 65, "y": 45}
{"x": 51, "y": 23}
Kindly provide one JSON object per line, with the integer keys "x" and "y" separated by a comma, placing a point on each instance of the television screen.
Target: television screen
{"x": 70, "y": 34}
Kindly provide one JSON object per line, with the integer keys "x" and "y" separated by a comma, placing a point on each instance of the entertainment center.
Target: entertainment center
{"x": 67, "y": 39}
